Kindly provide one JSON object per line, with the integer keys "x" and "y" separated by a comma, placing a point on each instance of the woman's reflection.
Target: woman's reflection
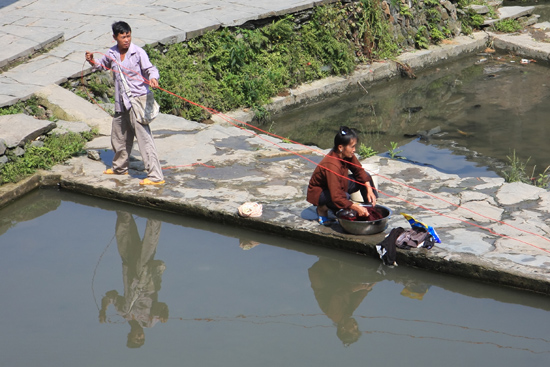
{"x": 340, "y": 287}
{"x": 141, "y": 275}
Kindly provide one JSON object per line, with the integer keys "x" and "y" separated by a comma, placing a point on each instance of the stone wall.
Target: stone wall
{"x": 413, "y": 20}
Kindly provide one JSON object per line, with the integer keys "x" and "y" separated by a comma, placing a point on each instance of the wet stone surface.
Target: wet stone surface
{"x": 456, "y": 207}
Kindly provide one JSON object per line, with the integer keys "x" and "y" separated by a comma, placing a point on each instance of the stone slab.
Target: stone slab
{"x": 3, "y": 146}
{"x": 18, "y": 49}
{"x": 516, "y": 192}
{"x": 479, "y": 212}
{"x": 44, "y": 70}
{"x": 542, "y": 25}
{"x": 510, "y": 12}
{"x": 64, "y": 127}
{"x": 515, "y": 12}
{"x": 523, "y": 45}
{"x": 21, "y": 42}
{"x": 479, "y": 9}
{"x": 17, "y": 130}
{"x": 68, "y": 106}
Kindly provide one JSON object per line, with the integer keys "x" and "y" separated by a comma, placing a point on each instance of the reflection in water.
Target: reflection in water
{"x": 247, "y": 244}
{"x": 141, "y": 275}
{"x": 270, "y": 306}
{"x": 339, "y": 295}
{"x": 39, "y": 206}
{"x": 340, "y": 287}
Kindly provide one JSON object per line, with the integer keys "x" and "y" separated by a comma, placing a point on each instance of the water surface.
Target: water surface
{"x": 465, "y": 117}
{"x": 87, "y": 282}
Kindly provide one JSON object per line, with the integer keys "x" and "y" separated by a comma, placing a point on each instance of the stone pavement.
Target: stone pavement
{"x": 29, "y": 27}
{"x": 212, "y": 169}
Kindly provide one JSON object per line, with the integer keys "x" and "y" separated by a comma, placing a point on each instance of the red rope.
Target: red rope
{"x": 238, "y": 124}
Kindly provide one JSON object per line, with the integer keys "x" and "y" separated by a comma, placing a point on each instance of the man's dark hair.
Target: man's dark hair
{"x": 120, "y": 28}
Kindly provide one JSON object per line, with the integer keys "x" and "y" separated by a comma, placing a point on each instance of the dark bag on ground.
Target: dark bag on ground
{"x": 404, "y": 239}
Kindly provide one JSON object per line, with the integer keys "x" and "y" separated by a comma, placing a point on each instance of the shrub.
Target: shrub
{"x": 508, "y": 26}
{"x": 232, "y": 68}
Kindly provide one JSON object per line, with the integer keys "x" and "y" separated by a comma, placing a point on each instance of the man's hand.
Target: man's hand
{"x": 153, "y": 83}
{"x": 90, "y": 58}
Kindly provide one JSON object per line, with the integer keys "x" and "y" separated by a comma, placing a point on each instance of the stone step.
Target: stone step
{"x": 68, "y": 106}
{"x": 20, "y": 129}
{"x": 17, "y": 130}
{"x": 542, "y": 26}
{"x": 510, "y": 12}
{"x": 26, "y": 43}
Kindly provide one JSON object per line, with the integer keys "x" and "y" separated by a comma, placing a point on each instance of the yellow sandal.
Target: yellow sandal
{"x": 109, "y": 171}
{"x": 149, "y": 182}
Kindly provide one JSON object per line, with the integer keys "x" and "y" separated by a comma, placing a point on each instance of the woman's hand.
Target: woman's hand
{"x": 360, "y": 209}
{"x": 371, "y": 197}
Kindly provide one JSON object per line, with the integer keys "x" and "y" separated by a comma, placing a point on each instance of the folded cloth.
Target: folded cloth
{"x": 414, "y": 238}
{"x": 250, "y": 209}
{"x": 387, "y": 248}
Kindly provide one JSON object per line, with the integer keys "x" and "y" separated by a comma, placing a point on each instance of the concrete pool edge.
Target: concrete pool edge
{"x": 468, "y": 266}
{"x": 13, "y": 191}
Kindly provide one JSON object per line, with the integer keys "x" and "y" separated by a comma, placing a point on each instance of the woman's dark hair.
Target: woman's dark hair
{"x": 120, "y": 28}
{"x": 344, "y": 137}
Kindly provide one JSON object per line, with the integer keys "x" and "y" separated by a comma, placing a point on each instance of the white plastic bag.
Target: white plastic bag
{"x": 145, "y": 108}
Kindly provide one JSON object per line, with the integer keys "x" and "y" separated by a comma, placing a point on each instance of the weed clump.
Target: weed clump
{"x": 508, "y": 26}
{"x": 56, "y": 149}
{"x": 52, "y": 150}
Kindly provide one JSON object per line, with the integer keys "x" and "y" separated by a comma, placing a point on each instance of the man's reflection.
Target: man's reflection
{"x": 340, "y": 287}
{"x": 141, "y": 275}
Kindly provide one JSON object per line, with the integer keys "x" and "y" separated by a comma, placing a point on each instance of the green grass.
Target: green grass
{"x": 515, "y": 172}
{"x": 57, "y": 149}
{"x": 232, "y": 68}
{"x": 12, "y": 110}
{"x": 31, "y": 105}
{"x": 543, "y": 178}
{"x": 508, "y": 26}
{"x": 366, "y": 152}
